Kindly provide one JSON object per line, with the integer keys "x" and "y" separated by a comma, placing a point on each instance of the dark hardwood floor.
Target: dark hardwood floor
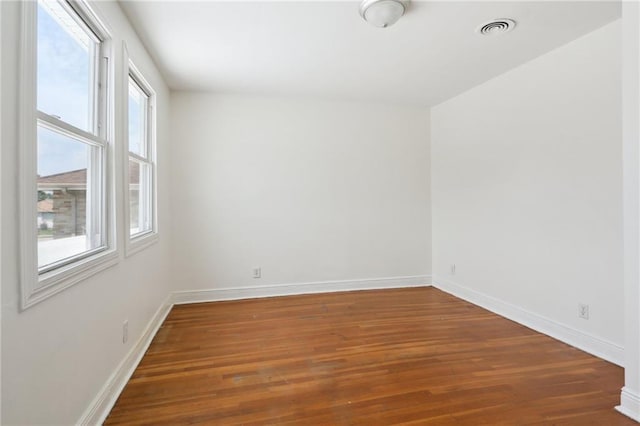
{"x": 410, "y": 356}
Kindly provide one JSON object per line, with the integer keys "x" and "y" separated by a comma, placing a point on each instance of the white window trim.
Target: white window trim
{"x": 137, "y": 243}
{"x": 36, "y": 287}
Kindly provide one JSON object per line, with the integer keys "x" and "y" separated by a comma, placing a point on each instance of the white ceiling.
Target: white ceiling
{"x": 325, "y": 49}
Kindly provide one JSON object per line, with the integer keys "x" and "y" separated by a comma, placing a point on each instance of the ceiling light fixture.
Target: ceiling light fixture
{"x": 382, "y": 13}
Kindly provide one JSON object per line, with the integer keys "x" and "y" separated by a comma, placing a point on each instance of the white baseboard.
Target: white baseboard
{"x": 219, "y": 294}
{"x": 629, "y": 404}
{"x": 599, "y": 347}
{"x": 102, "y": 404}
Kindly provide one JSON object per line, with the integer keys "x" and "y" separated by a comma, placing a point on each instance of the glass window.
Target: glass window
{"x": 70, "y": 144}
{"x": 63, "y": 226}
{"x": 140, "y": 177}
{"x": 140, "y": 212}
{"x": 66, "y": 229}
{"x": 138, "y": 104}
{"x": 66, "y": 66}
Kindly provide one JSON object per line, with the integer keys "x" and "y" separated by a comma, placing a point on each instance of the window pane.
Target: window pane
{"x": 65, "y": 66}
{"x": 137, "y": 119}
{"x": 63, "y": 184}
{"x": 139, "y": 197}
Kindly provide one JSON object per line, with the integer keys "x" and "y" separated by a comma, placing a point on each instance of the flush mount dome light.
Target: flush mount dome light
{"x": 382, "y": 13}
{"x": 497, "y": 27}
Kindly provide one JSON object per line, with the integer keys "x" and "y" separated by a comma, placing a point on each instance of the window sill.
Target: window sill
{"x": 140, "y": 242}
{"x": 55, "y": 281}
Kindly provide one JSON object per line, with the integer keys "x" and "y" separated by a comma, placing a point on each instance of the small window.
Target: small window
{"x": 141, "y": 166}
{"x": 65, "y": 148}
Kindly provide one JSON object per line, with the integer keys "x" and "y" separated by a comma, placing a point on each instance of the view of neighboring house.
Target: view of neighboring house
{"x": 63, "y": 213}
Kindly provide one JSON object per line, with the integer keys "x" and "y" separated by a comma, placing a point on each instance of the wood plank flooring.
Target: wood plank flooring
{"x": 407, "y": 356}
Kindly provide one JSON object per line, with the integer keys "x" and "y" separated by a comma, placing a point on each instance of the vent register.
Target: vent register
{"x": 497, "y": 27}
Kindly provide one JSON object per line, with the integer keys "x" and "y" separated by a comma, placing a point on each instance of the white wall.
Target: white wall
{"x": 1, "y": 83}
{"x": 57, "y": 355}
{"x": 527, "y": 188}
{"x": 308, "y": 191}
{"x": 630, "y": 396}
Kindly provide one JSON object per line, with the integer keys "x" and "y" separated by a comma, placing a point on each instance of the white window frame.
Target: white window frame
{"x": 138, "y": 242}
{"x": 37, "y": 285}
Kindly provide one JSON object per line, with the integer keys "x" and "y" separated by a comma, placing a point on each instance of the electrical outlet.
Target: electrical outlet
{"x": 583, "y": 311}
{"x": 125, "y": 331}
{"x": 453, "y": 269}
{"x": 257, "y": 272}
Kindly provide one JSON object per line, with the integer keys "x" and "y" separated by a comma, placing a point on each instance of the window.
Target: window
{"x": 141, "y": 167}
{"x": 65, "y": 147}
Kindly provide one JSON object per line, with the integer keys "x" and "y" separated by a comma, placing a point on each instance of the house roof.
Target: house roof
{"x": 75, "y": 177}
{"x": 45, "y": 206}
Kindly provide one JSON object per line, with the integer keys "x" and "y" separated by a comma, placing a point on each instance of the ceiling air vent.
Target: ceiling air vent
{"x": 497, "y": 27}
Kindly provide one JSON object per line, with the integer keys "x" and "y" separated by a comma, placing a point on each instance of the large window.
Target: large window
{"x": 65, "y": 146}
{"x": 141, "y": 165}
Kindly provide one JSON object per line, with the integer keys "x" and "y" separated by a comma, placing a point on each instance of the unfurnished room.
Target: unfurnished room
{"x": 319, "y": 212}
